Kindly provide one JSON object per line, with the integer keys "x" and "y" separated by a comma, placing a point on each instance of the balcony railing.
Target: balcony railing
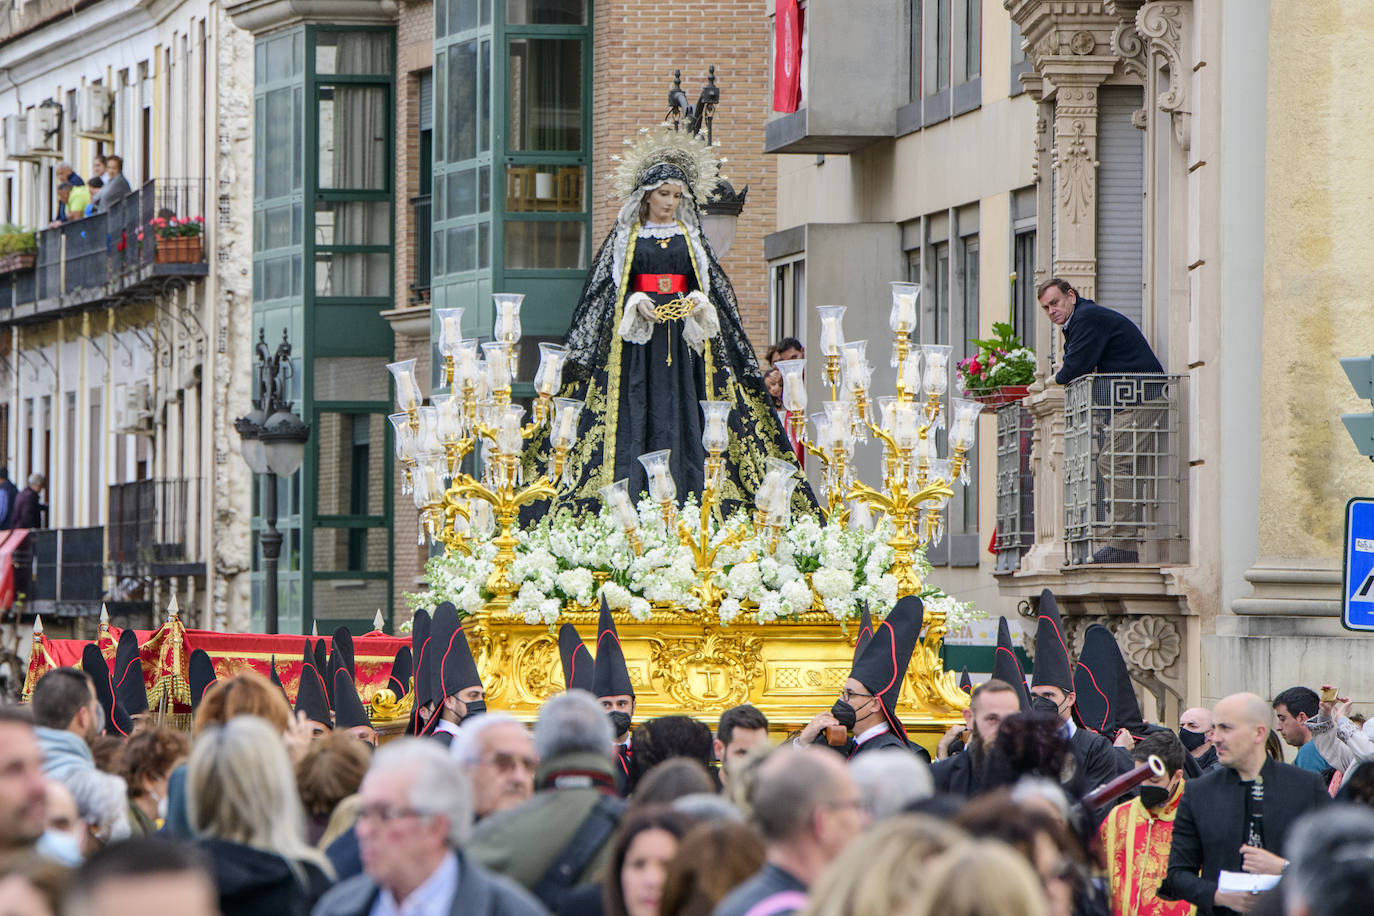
{"x": 1015, "y": 487}
{"x": 424, "y": 230}
{"x": 60, "y": 570}
{"x": 1123, "y": 470}
{"x": 110, "y": 254}
{"x": 155, "y": 528}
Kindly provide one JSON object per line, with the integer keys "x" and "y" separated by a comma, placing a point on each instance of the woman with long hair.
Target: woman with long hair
{"x": 640, "y": 855}
{"x": 248, "y": 818}
{"x": 712, "y": 859}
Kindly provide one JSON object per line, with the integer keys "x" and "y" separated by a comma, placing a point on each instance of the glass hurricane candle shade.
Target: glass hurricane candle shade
{"x": 566, "y": 412}
{"x": 467, "y": 368}
{"x": 832, "y": 329}
{"x": 662, "y": 487}
{"x": 793, "y": 383}
{"x": 548, "y": 378}
{"x": 964, "y": 428}
{"x": 427, "y": 441}
{"x": 902, "y": 318}
{"x": 841, "y": 430}
{"x": 935, "y": 379}
{"x": 774, "y": 488}
{"x": 408, "y": 396}
{"x": 405, "y": 436}
{"x": 508, "y": 438}
{"x": 854, "y": 356}
{"x": 715, "y": 434}
{"x": 449, "y": 414}
{"x": 910, "y": 374}
{"x": 498, "y": 365}
{"x": 450, "y": 331}
{"x": 506, "y": 327}
{"x": 616, "y": 496}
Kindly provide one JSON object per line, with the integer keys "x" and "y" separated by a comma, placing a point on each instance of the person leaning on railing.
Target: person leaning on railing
{"x": 1100, "y": 340}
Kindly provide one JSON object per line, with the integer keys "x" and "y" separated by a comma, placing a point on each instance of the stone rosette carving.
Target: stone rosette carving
{"x": 1150, "y": 643}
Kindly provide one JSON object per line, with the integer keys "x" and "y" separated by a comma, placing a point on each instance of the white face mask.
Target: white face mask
{"x": 62, "y": 847}
{"x": 161, "y": 806}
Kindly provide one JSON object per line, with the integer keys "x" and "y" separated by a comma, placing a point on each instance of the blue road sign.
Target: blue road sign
{"x": 1357, "y": 607}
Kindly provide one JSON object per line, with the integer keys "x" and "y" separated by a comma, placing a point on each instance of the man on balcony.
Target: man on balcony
{"x": 1100, "y": 340}
{"x": 115, "y": 188}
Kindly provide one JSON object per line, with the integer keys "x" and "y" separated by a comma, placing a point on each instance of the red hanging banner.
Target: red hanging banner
{"x": 787, "y": 41}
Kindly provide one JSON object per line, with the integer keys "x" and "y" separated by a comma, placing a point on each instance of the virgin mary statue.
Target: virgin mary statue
{"x": 655, "y": 332}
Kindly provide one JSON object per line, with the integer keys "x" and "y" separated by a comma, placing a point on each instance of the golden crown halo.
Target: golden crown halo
{"x": 664, "y": 145}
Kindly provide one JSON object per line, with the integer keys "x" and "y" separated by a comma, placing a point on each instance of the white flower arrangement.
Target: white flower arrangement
{"x": 567, "y": 562}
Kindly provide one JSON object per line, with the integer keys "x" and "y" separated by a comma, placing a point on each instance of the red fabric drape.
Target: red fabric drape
{"x": 787, "y": 40}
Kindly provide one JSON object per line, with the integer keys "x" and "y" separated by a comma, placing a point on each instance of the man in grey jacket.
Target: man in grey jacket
{"x": 415, "y": 817}
{"x": 67, "y": 717}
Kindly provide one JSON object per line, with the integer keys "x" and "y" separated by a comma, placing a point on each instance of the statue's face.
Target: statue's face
{"x": 663, "y": 201}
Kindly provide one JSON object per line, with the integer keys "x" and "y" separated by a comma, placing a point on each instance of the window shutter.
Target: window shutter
{"x": 1120, "y": 202}
{"x": 427, "y": 101}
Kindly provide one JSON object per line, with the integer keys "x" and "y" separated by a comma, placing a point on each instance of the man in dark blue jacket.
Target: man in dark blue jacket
{"x": 1100, "y": 340}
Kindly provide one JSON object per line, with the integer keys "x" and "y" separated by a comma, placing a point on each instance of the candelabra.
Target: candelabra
{"x": 917, "y": 483}
{"x": 432, "y": 441}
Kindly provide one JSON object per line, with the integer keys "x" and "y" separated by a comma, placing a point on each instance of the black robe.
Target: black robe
{"x": 637, "y": 402}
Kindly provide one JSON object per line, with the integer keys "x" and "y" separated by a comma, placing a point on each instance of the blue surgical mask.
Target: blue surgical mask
{"x": 60, "y": 847}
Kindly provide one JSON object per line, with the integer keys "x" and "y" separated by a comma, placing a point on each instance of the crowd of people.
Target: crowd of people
{"x": 79, "y": 197}
{"x": 1026, "y": 810}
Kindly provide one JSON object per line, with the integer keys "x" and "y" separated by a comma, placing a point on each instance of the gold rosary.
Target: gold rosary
{"x": 680, "y": 307}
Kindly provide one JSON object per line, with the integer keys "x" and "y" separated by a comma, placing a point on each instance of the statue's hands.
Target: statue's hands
{"x": 647, "y": 309}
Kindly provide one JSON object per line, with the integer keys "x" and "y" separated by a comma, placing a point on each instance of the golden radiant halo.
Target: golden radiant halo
{"x": 689, "y": 152}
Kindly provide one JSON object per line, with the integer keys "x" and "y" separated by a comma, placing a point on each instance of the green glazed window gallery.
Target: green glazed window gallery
{"x": 504, "y": 199}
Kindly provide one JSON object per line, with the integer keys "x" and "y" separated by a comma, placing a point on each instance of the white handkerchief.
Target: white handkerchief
{"x": 1244, "y": 882}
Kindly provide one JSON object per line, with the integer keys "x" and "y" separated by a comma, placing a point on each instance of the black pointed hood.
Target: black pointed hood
{"x": 1106, "y": 701}
{"x": 882, "y": 667}
{"x": 321, "y": 658}
{"x": 612, "y": 677}
{"x": 348, "y": 706}
{"x": 202, "y": 673}
{"x": 454, "y": 667}
{"x": 117, "y": 721}
{"x": 127, "y": 676}
{"x": 965, "y": 682}
{"x": 399, "y": 679}
{"x": 311, "y": 696}
{"x": 1053, "y": 668}
{"x": 421, "y": 629}
{"x": 578, "y": 664}
{"x": 276, "y": 678}
{"x": 865, "y": 635}
{"x": 341, "y": 653}
{"x": 1007, "y": 667}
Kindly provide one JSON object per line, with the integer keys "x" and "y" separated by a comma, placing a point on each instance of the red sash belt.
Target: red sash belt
{"x": 659, "y": 283}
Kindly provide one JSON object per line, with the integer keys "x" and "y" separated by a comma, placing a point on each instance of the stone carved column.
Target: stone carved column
{"x": 1075, "y": 185}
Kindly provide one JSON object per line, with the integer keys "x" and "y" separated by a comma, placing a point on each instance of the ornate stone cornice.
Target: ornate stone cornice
{"x": 1166, "y": 26}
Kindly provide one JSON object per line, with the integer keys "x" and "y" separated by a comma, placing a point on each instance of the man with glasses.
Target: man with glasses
{"x": 808, "y": 808}
{"x": 868, "y": 702}
{"x": 497, "y": 752}
{"x": 414, "y": 819}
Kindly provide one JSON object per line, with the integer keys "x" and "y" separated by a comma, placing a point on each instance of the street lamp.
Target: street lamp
{"x": 273, "y": 443}
{"x": 719, "y": 217}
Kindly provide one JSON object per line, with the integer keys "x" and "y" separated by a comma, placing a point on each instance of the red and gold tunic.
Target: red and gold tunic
{"x": 1136, "y": 845}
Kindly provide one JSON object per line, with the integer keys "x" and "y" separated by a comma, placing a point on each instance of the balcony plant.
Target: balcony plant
{"x": 178, "y": 238}
{"x": 1002, "y": 369}
{"x": 18, "y": 248}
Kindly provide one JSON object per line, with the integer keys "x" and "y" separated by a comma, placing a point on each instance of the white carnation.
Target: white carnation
{"x": 617, "y": 596}
{"x": 797, "y": 594}
{"x": 729, "y": 609}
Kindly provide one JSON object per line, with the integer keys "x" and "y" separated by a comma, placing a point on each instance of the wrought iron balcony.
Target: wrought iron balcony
{"x": 155, "y": 529}
{"x": 1091, "y": 490}
{"x": 111, "y": 256}
{"x": 59, "y": 571}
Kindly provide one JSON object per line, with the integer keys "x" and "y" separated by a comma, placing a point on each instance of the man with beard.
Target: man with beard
{"x": 962, "y": 774}
{"x": 68, "y": 717}
{"x": 1052, "y": 692}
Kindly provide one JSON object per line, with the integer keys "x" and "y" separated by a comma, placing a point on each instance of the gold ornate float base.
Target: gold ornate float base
{"x": 789, "y": 669}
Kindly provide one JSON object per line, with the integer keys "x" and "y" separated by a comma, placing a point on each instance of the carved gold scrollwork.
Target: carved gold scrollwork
{"x": 537, "y": 668}
{"x": 713, "y": 671}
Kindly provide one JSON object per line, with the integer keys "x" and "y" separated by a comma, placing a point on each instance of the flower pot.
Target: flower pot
{"x": 12, "y": 262}
{"x": 184, "y": 249}
{"x": 682, "y": 664}
{"x": 998, "y": 397}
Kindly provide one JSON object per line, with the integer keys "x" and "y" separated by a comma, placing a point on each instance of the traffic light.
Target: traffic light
{"x": 1360, "y": 371}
